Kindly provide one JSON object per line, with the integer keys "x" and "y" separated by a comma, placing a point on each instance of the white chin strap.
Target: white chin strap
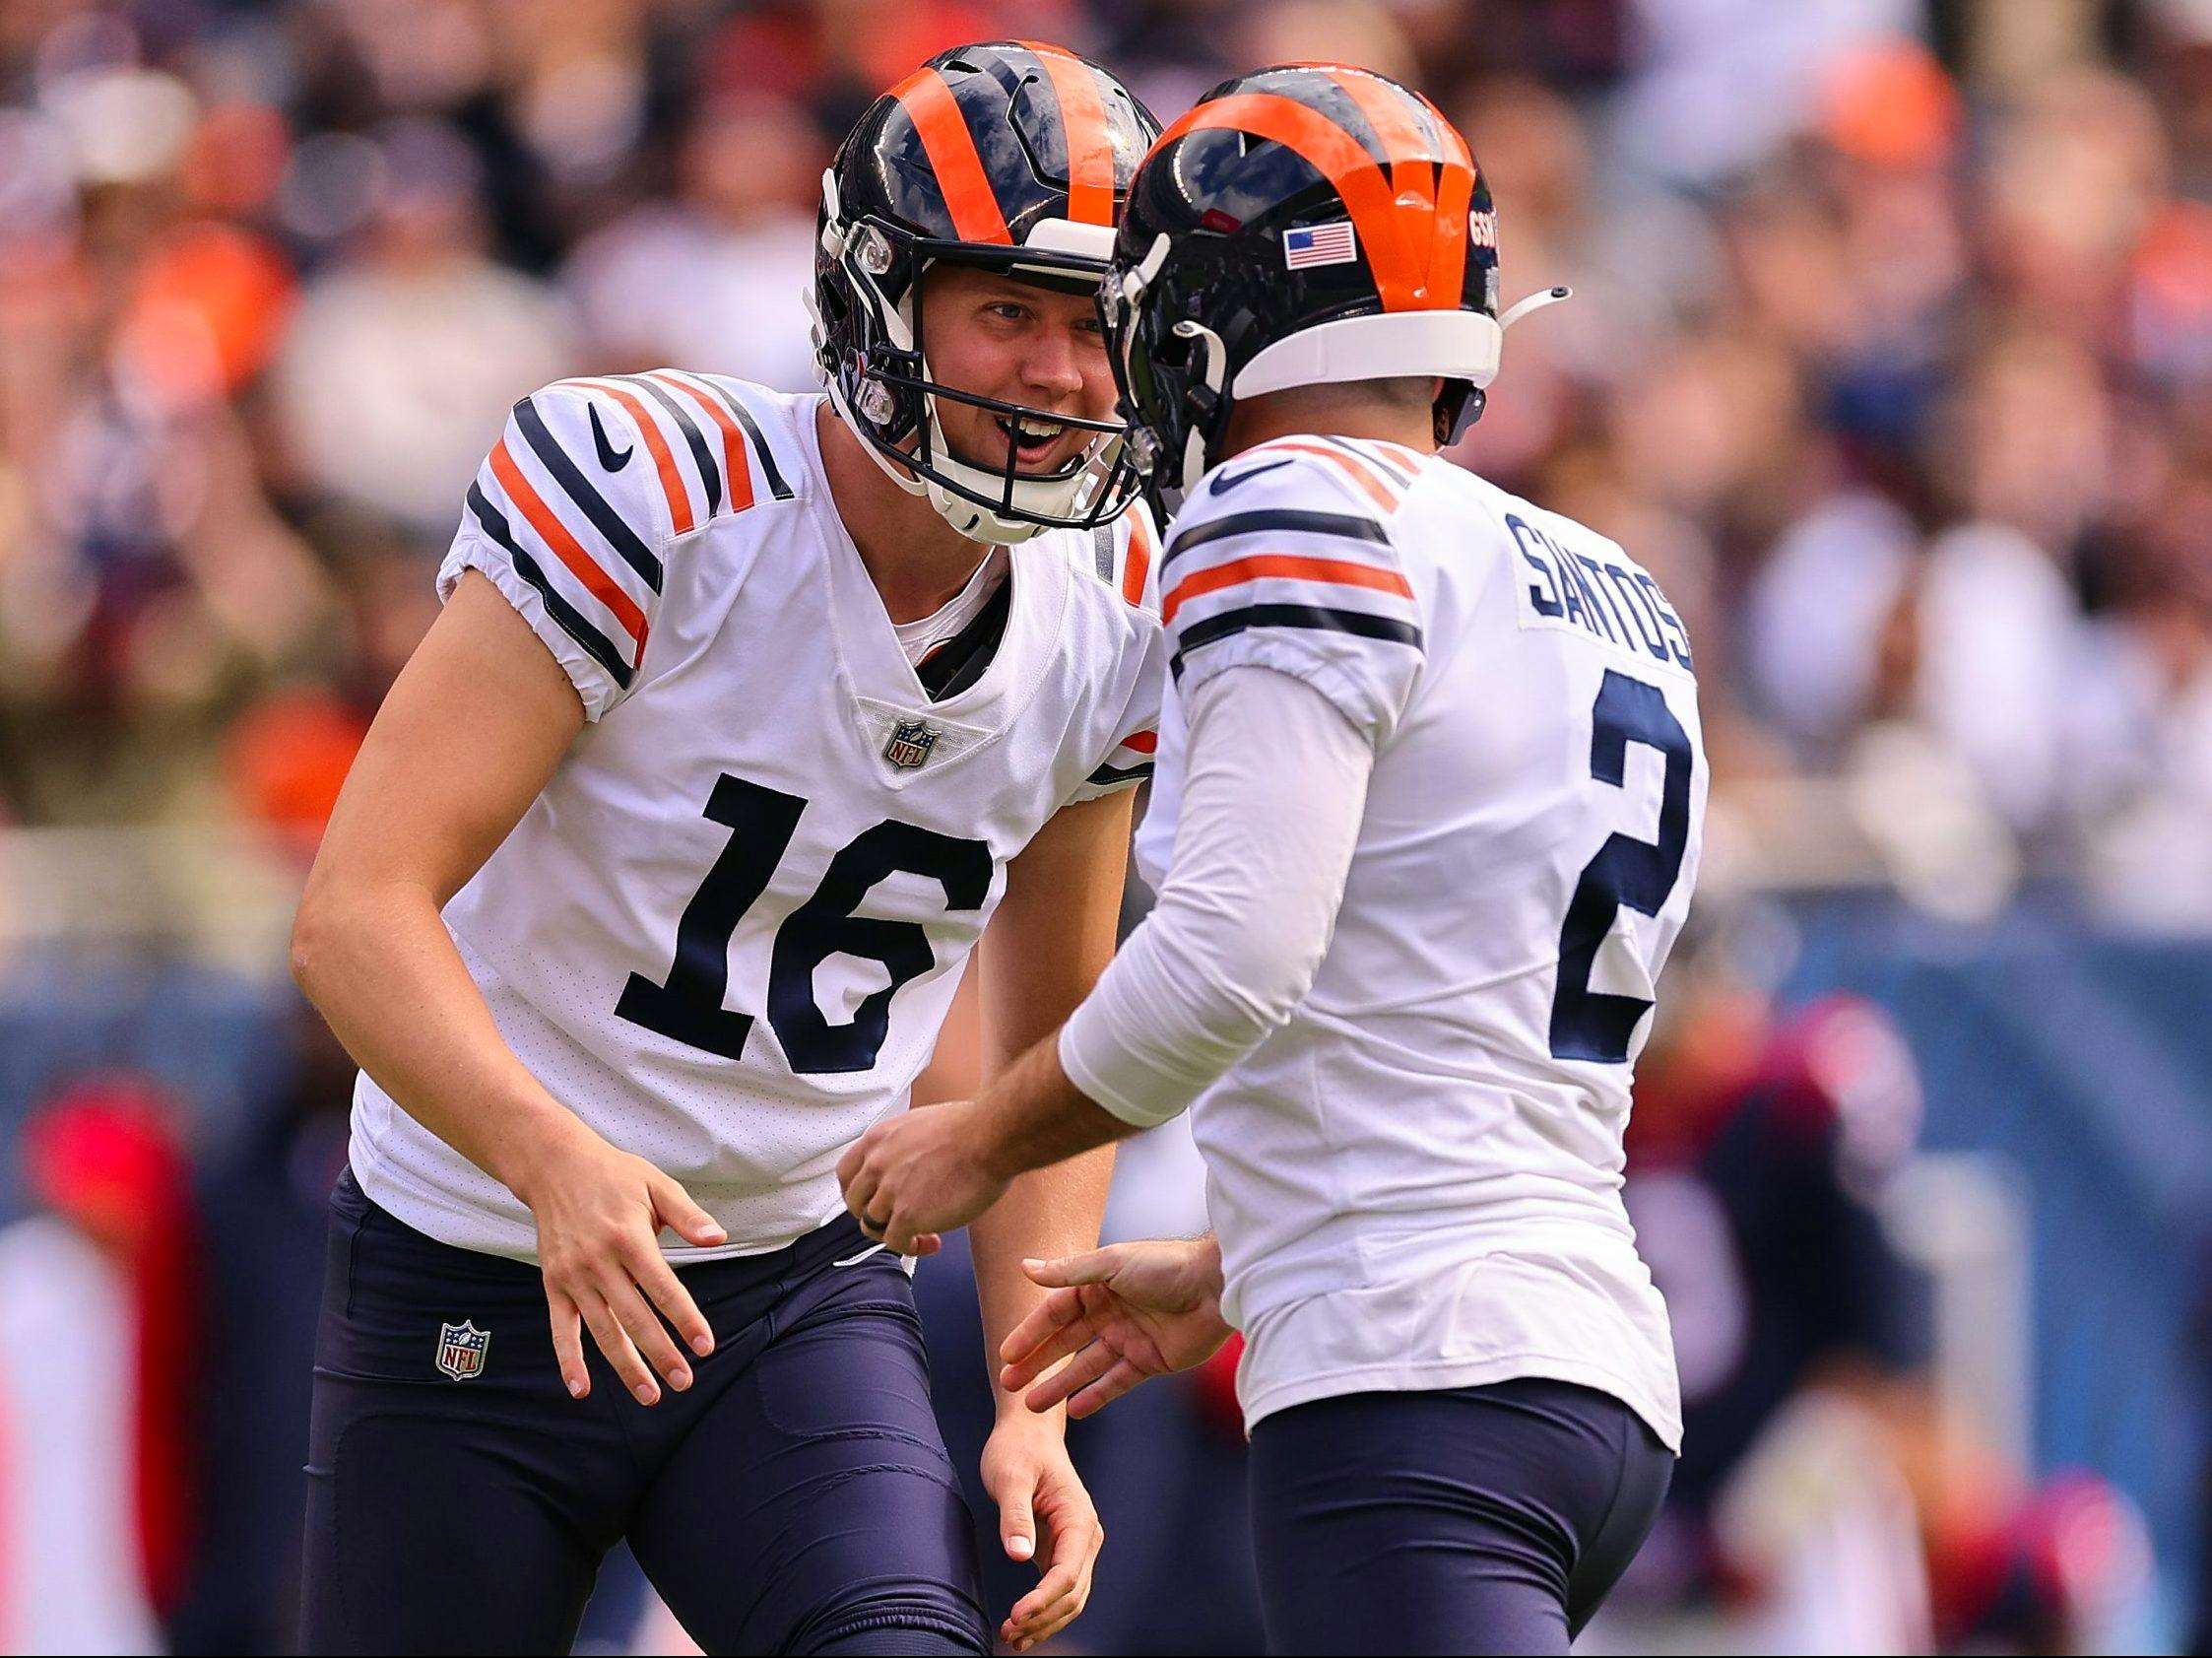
{"x": 1058, "y": 497}
{"x": 1048, "y": 497}
{"x": 1212, "y": 371}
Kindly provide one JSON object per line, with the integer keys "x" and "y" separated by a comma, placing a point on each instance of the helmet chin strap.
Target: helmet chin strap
{"x": 1213, "y": 372}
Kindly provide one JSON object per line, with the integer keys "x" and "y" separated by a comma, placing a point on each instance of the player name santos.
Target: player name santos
{"x": 1622, "y": 605}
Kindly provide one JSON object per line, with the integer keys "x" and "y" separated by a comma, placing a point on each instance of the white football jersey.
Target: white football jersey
{"x": 1416, "y": 1180}
{"x": 727, "y": 933}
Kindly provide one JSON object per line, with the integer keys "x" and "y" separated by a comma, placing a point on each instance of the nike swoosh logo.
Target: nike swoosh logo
{"x": 1222, "y": 482}
{"x": 855, "y": 1260}
{"x": 607, "y": 455}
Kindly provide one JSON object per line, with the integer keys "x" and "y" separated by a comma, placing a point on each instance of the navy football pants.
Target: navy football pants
{"x": 1478, "y": 1519}
{"x": 796, "y": 1499}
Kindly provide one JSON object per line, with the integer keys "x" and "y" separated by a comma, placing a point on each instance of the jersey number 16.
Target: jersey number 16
{"x": 688, "y": 1007}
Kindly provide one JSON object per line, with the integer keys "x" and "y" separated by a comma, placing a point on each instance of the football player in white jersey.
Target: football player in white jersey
{"x": 747, "y": 717}
{"x": 1426, "y": 823}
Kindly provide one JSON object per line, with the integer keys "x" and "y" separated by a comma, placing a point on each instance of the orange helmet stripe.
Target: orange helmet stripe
{"x": 1447, "y": 264}
{"x": 1413, "y": 166}
{"x": 927, "y": 98}
{"x": 1340, "y": 158}
{"x": 1083, "y": 114}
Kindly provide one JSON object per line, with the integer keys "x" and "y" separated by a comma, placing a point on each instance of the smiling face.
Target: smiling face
{"x": 995, "y": 336}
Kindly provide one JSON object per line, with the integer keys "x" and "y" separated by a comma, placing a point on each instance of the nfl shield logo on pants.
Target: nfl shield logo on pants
{"x": 461, "y": 1350}
{"x": 910, "y": 743}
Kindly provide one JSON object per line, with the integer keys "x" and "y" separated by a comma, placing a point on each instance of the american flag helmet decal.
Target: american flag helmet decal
{"x": 1320, "y": 245}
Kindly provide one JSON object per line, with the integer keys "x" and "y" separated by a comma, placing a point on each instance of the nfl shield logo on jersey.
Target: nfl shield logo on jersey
{"x": 910, "y": 743}
{"x": 461, "y": 1349}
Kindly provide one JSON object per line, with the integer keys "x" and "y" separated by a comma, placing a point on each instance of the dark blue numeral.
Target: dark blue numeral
{"x": 1640, "y": 874}
{"x": 826, "y": 926}
{"x": 688, "y": 1007}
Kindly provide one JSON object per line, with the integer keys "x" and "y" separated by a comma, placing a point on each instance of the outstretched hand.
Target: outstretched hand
{"x": 1126, "y": 1313}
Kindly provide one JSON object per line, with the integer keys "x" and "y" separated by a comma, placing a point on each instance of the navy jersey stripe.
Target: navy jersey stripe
{"x": 710, "y": 473}
{"x": 1106, "y": 775}
{"x": 609, "y": 523}
{"x": 1318, "y": 617}
{"x": 1344, "y": 526}
{"x": 760, "y": 450}
{"x": 597, "y": 645}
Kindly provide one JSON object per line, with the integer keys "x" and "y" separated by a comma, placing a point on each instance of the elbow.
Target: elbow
{"x": 1250, "y": 976}
{"x": 314, "y": 940}
{"x": 309, "y": 946}
{"x": 1276, "y": 987}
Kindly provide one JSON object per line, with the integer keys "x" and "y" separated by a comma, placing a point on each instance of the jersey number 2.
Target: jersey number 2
{"x": 1585, "y": 1024}
{"x": 688, "y": 1007}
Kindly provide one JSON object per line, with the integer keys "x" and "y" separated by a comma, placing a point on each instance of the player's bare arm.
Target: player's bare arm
{"x": 473, "y": 728}
{"x": 1051, "y": 936}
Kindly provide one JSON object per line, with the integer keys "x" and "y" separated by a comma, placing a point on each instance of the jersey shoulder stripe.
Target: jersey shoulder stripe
{"x": 763, "y": 452}
{"x": 1394, "y": 460}
{"x": 736, "y": 469}
{"x": 1283, "y": 566}
{"x": 1318, "y": 618}
{"x": 573, "y": 481}
{"x": 556, "y": 535}
{"x": 1281, "y": 548}
{"x": 1363, "y": 472}
{"x": 675, "y": 494}
{"x": 572, "y": 622}
{"x": 1123, "y": 552}
{"x": 1137, "y": 554}
{"x": 1343, "y": 526}
{"x": 702, "y": 458}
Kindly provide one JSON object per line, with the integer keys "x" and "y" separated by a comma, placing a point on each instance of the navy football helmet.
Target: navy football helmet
{"x": 1013, "y": 157}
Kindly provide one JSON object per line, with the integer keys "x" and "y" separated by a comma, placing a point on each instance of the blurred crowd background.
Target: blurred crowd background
{"x": 1891, "y": 356}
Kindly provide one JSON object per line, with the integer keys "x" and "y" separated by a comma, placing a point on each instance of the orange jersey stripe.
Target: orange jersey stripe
{"x": 1356, "y": 470}
{"x": 735, "y": 467}
{"x": 1335, "y": 571}
{"x": 927, "y": 99}
{"x": 672, "y": 481}
{"x": 1137, "y": 564}
{"x": 1083, "y": 114}
{"x": 1340, "y": 158}
{"x": 555, "y": 534}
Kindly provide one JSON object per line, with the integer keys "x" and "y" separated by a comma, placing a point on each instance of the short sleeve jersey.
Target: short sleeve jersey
{"x": 727, "y": 932}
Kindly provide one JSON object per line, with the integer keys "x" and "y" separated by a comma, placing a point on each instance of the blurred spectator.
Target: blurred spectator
{"x": 403, "y": 358}
{"x": 264, "y": 1210}
{"x": 716, "y": 279}
{"x": 98, "y": 1333}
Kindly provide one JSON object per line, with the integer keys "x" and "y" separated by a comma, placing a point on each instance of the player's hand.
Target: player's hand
{"x": 917, "y": 1174}
{"x": 599, "y": 1212}
{"x": 1127, "y": 1314}
{"x": 1046, "y": 1516}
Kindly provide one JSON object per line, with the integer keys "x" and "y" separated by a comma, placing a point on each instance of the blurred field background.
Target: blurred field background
{"x": 1891, "y": 355}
